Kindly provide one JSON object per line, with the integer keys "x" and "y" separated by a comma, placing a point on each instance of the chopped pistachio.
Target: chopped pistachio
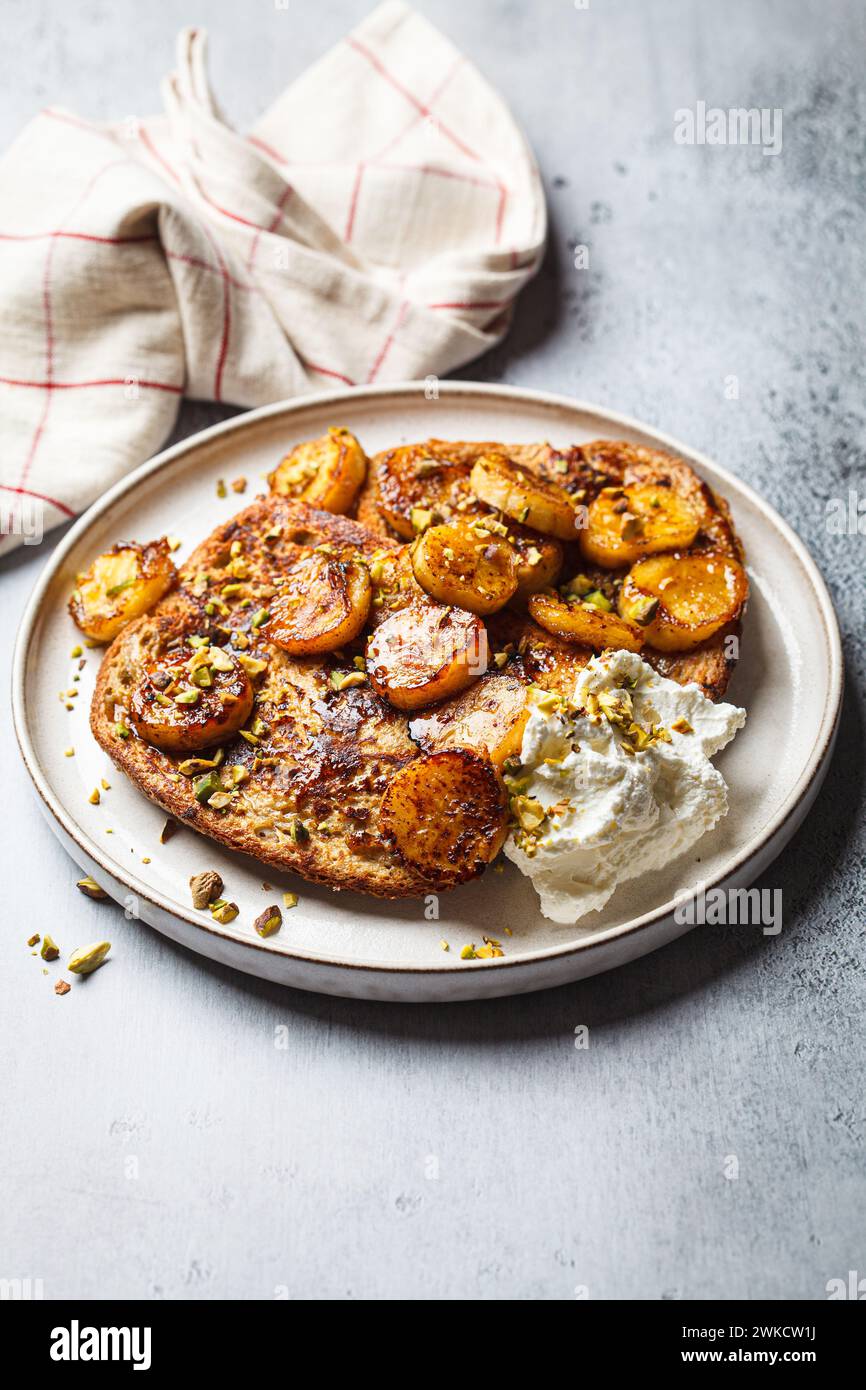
{"x": 219, "y": 801}
{"x": 260, "y": 617}
{"x": 91, "y": 889}
{"x": 106, "y": 786}
{"x": 644, "y": 609}
{"x": 596, "y": 599}
{"x": 205, "y": 787}
{"x": 88, "y": 958}
{"x": 224, "y": 912}
{"x": 187, "y": 697}
{"x": 252, "y": 666}
{"x": 34, "y": 939}
{"x": 290, "y": 900}
{"x": 488, "y": 952}
{"x": 468, "y": 953}
{"x": 205, "y": 888}
{"x": 50, "y": 950}
{"x": 269, "y": 921}
{"x": 236, "y": 549}
{"x": 190, "y": 766}
{"x": 202, "y": 678}
{"x": 528, "y": 812}
{"x": 682, "y": 726}
{"x": 220, "y": 488}
{"x": 94, "y": 797}
{"x": 76, "y": 652}
{"x": 122, "y": 731}
{"x": 299, "y": 833}
{"x": 579, "y": 586}
{"x": 444, "y": 944}
{"x": 345, "y": 680}
{"x": 170, "y": 828}
{"x": 174, "y": 542}
{"x": 69, "y": 752}
{"x": 421, "y": 518}
{"x": 62, "y": 987}
{"x": 239, "y": 485}
{"x": 616, "y": 706}
{"x": 249, "y": 737}
{"x": 359, "y": 663}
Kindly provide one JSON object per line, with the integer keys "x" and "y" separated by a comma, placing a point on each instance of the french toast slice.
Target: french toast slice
{"x": 308, "y": 773}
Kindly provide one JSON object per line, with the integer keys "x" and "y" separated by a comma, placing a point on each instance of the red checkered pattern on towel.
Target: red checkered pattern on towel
{"x": 376, "y": 225}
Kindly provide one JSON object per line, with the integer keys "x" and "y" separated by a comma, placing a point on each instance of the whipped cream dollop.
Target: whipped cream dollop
{"x": 614, "y": 782}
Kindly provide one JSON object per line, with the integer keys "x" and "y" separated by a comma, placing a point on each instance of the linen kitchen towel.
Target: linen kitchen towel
{"x": 376, "y": 225}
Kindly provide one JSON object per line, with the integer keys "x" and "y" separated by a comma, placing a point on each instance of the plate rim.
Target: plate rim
{"x": 766, "y": 838}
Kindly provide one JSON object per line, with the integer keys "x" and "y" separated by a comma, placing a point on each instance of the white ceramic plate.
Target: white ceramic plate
{"x": 789, "y": 678}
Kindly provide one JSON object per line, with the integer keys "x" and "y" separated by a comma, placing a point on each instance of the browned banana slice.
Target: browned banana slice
{"x": 425, "y": 653}
{"x": 627, "y": 523}
{"x": 466, "y": 565}
{"x": 532, "y": 501}
{"x": 582, "y": 622}
{"x": 119, "y": 586}
{"x": 489, "y": 716}
{"x": 418, "y": 488}
{"x": 681, "y": 600}
{"x": 322, "y": 604}
{"x": 325, "y": 472}
{"x": 194, "y": 698}
{"x": 446, "y": 815}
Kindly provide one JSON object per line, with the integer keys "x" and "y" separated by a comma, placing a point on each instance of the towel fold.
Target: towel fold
{"x": 375, "y": 225}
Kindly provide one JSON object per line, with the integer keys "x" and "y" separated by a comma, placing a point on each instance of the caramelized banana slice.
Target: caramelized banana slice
{"x": 418, "y": 487}
{"x": 322, "y": 604}
{"x": 532, "y": 501}
{"x": 446, "y": 815}
{"x": 490, "y": 715}
{"x": 120, "y": 585}
{"x": 194, "y": 698}
{"x": 681, "y": 600}
{"x": 627, "y": 523}
{"x": 580, "y": 621}
{"x": 425, "y": 653}
{"x": 326, "y": 472}
{"x": 466, "y": 565}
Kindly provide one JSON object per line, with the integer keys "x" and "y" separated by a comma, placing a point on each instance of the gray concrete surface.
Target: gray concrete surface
{"x": 156, "y": 1143}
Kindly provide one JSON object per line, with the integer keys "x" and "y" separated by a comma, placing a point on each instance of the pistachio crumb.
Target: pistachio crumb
{"x": 290, "y": 900}
{"x": 86, "y": 959}
{"x": 269, "y": 922}
{"x": 223, "y": 912}
{"x": 94, "y": 797}
{"x": 170, "y": 828}
{"x": 91, "y": 889}
{"x": 62, "y": 987}
{"x": 50, "y": 950}
{"x": 69, "y": 752}
{"x": 34, "y": 939}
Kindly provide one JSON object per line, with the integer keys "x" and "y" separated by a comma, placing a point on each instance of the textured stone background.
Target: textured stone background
{"x": 311, "y": 1167}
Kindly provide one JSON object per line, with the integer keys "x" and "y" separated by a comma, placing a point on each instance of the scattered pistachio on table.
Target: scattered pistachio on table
{"x": 86, "y": 959}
